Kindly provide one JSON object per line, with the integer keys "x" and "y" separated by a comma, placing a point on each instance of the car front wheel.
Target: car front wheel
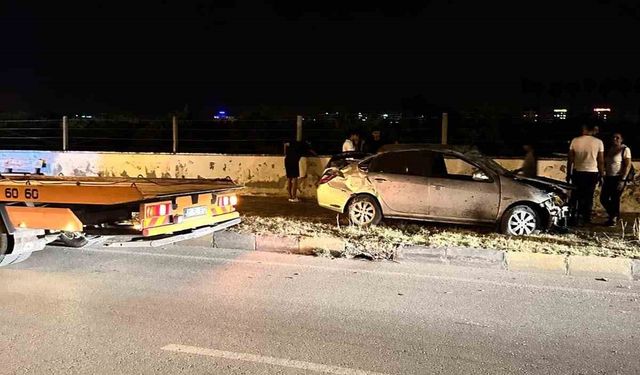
{"x": 364, "y": 211}
{"x": 520, "y": 221}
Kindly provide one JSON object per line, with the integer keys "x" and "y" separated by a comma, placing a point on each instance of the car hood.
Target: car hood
{"x": 545, "y": 183}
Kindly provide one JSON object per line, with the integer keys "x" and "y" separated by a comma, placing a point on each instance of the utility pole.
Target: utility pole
{"x": 174, "y": 127}
{"x": 445, "y": 127}
{"x": 299, "y": 128}
{"x": 65, "y": 134}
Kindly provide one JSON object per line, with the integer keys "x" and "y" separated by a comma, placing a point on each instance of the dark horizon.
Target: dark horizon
{"x": 157, "y": 57}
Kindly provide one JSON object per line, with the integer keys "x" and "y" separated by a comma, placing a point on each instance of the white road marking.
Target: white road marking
{"x": 282, "y": 362}
{"x": 374, "y": 272}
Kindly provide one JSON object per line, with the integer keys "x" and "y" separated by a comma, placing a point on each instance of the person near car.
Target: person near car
{"x": 373, "y": 144}
{"x": 530, "y": 163}
{"x": 293, "y": 153}
{"x": 351, "y": 143}
{"x": 617, "y": 165}
{"x": 585, "y": 169}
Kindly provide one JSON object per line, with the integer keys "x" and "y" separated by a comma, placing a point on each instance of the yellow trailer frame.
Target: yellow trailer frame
{"x": 159, "y": 206}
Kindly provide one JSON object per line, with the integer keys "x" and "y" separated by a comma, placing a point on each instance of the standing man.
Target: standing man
{"x": 293, "y": 152}
{"x": 374, "y": 144}
{"x": 352, "y": 142}
{"x": 617, "y": 166}
{"x": 585, "y": 168}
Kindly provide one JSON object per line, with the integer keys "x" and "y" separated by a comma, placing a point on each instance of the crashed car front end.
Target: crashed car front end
{"x": 558, "y": 211}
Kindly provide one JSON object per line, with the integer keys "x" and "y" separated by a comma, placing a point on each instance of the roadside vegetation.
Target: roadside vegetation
{"x": 382, "y": 241}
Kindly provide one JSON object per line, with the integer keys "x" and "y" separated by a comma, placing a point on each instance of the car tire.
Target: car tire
{"x": 364, "y": 211}
{"x": 73, "y": 239}
{"x": 520, "y": 220}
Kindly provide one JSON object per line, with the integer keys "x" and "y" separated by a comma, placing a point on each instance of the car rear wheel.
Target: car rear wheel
{"x": 364, "y": 211}
{"x": 520, "y": 221}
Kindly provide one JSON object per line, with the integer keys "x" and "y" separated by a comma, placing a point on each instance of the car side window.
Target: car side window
{"x": 411, "y": 163}
{"x": 460, "y": 169}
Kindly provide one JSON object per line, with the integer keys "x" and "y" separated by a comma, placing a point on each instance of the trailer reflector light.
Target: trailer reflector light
{"x": 158, "y": 209}
{"x": 227, "y": 200}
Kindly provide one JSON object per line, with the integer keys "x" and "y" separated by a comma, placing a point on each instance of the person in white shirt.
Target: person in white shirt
{"x": 351, "y": 144}
{"x": 617, "y": 165}
{"x": 585, "y": 168}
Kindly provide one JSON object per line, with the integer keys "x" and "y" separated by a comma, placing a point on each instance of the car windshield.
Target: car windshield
{"x": 488, "y": 163}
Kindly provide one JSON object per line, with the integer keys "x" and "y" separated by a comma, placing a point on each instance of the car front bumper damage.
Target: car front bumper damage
{"x": 558, "y": 213}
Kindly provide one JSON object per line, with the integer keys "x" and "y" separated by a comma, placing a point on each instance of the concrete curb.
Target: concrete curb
{"x": 635, "y": 269}
{"x": 233, "y": 240}
{"x": 271, "y": 243}
{"x": 454, "y": 255}
{"x": 572, "y": 265}
{"x": 534, "y": 262}
{"x": 616, "y": 268}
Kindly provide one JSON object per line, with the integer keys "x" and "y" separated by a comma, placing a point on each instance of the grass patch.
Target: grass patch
{"x": 382, "y": 241}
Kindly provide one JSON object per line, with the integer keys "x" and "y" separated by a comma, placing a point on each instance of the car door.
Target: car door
{"x": 400, "y": 181}
{"x": 459, "y": 193}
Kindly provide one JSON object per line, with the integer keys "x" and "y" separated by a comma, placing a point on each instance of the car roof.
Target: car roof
{"x": 462, "y": 149}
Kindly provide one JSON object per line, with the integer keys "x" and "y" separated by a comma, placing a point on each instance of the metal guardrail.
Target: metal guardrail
{"x": 267, "y": 136}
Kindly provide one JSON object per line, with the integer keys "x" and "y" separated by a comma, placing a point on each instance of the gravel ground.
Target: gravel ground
{"x": 381, "y": 241}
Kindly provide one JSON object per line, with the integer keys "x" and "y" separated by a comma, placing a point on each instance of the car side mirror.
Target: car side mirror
{"x": 480, "y": 176}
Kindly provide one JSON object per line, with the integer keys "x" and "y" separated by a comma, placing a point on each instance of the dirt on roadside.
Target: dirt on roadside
{"x": 277, "y": 216}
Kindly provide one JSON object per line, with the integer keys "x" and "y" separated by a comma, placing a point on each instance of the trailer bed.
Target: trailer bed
{"x": 103, "y": 190}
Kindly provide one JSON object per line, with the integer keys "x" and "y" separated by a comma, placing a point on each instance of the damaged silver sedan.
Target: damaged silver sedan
{"x": 443, "y": 184}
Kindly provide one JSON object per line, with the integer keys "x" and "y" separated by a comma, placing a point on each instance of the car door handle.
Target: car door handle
{"x": 438, "y": 187}
{"x": 380, "y": 179}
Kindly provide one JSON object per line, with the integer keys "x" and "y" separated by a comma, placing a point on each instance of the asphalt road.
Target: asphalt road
{"x": 195, "y": 310}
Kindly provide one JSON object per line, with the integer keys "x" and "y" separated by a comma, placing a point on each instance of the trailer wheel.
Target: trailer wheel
{"x": 73, "y": 239}
{"x": 5, "y": 247}
{"x": 4, "y": 242}
{"x": 8, "y": 259}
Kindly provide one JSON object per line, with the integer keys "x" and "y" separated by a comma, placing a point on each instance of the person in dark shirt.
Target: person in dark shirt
{"x": 530, "y": 164}
{"x": 293, "y": 152}
{"x": 375, "y": 142}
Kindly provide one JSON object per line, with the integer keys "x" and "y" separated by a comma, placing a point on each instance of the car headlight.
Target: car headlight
{"x": 554, "y": 200}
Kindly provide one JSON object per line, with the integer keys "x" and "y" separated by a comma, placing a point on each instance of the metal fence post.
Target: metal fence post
{"x": 65, "y": 134}
{"x": 299, "y": 128}
{"x": 445, "y": 127}
{"x": 175, "y": 134}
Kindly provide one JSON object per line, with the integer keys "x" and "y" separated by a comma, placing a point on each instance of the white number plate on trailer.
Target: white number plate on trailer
{"x": 195, "y": 211}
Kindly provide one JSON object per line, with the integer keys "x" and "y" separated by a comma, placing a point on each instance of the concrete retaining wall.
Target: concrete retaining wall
{"x": 261, "y": 174}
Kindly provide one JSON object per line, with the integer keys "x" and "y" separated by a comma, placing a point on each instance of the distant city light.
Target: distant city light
{"x": 601, "y": 112}
{"x": 560, "y": 113}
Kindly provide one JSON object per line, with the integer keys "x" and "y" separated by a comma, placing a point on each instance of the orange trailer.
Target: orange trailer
{"x": 36, "y": 210}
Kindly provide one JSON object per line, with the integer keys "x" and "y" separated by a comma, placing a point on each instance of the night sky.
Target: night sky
{"x": 158, "y": 56}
